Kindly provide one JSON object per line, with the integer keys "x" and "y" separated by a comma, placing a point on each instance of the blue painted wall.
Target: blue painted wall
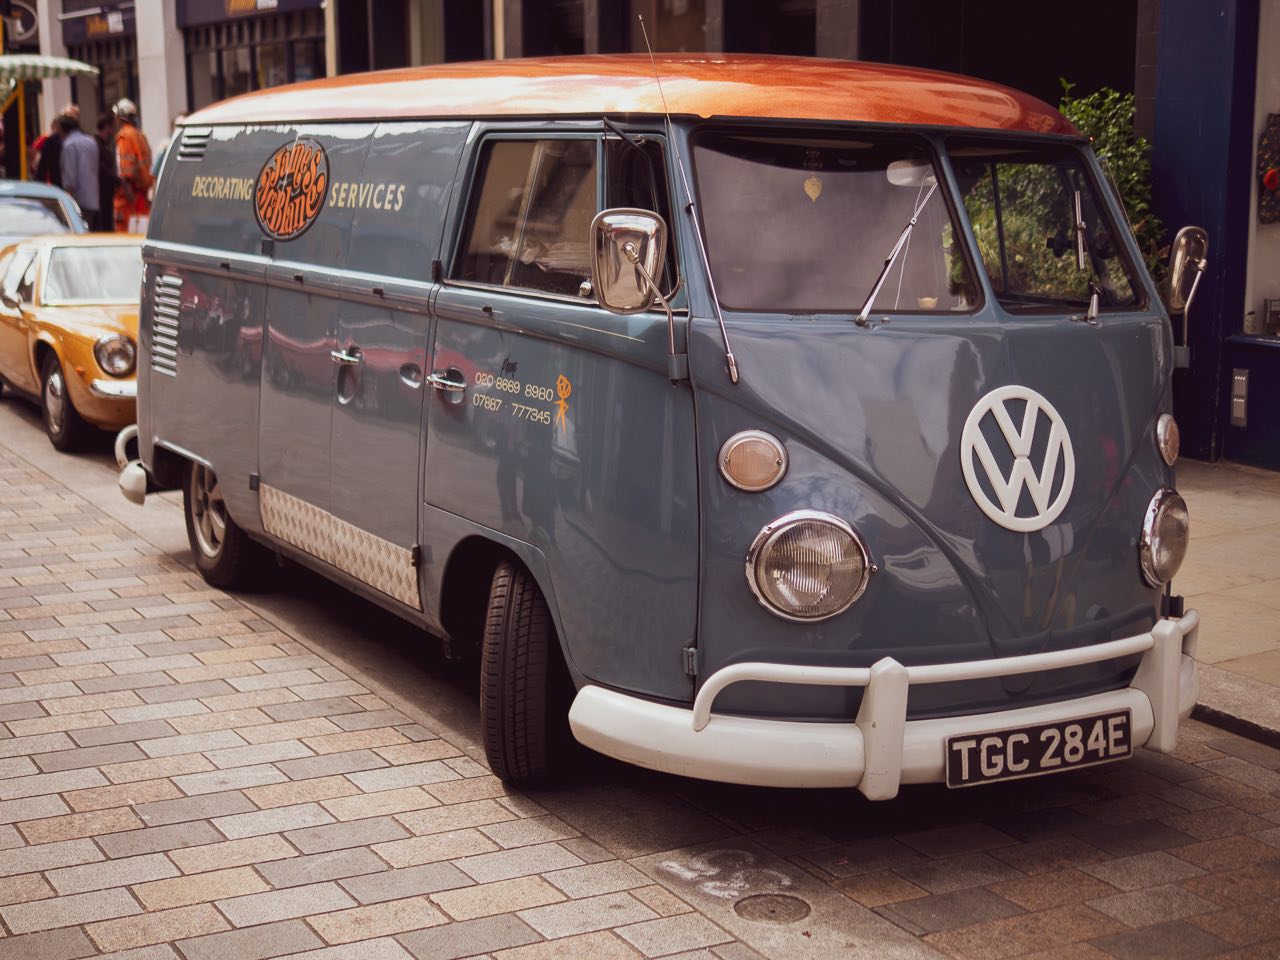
{"x": 1202, "y": 171}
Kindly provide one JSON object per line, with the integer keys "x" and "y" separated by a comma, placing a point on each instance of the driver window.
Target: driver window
{"x": 530, "y": 222}
{"x": 636, "y": 176}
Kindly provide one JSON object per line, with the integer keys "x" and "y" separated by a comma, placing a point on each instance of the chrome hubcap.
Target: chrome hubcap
{"x": 208, "y": 511}
{"x": 55, "y": 400}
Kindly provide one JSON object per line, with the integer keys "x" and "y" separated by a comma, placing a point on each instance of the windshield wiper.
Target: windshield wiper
{"x": 890, "y": 260}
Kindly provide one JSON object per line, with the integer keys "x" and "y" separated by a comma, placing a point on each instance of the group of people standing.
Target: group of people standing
{"x": 110, "y": 174}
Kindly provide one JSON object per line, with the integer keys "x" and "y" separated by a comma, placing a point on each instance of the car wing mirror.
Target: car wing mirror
{"x": 1187, "y": 260}
{"x": 628, "y": 250}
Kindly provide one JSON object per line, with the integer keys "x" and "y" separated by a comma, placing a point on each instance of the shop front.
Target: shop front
{"x": 235, "y": 46}
{"x": 106, "y": 37}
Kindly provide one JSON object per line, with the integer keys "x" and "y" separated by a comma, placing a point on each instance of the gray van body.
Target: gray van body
{"x": 615, "y": 505}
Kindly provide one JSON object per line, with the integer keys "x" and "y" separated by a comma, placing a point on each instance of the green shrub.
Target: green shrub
{"x": 1106, "y": 118}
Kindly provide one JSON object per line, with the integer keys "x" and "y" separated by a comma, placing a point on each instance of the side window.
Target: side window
{"x": 13, "y": 275}
{"x": 530, "y": 222}
{"x": 636, "y": 176}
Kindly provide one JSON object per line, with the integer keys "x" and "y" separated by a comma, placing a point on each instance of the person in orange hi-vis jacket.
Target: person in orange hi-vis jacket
{"x": 133, "y": 162}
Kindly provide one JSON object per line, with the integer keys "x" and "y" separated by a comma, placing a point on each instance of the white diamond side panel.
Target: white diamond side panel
{"x": 381, "y": 564}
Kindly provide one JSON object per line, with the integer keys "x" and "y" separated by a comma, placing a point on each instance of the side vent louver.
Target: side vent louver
{"x": 165, "y": 313}
{"x": 194, "y": 142}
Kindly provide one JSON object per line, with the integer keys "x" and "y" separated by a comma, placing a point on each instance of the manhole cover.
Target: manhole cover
{"x": 772, "y": 908}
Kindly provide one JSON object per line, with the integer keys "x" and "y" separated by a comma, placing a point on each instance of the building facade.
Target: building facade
{"x": 1205, "y": 74}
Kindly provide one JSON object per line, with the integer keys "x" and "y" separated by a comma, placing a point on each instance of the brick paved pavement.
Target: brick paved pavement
{"x": 180, "y": 777}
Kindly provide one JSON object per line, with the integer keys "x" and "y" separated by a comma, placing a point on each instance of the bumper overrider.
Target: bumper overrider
{"x": 880, "y": 749}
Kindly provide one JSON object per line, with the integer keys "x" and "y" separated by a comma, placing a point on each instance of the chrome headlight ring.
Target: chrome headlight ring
{"x": 1162, "y": 545}
{"x": 811, "y": 522}
{"x": 115, "y": 354}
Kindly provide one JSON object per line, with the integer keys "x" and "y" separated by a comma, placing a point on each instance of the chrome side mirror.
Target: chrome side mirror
{"x": 1187, "y": 260}
{"x": 628, "y": 250}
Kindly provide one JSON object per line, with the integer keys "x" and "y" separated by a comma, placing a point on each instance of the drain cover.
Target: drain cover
{"x": 772, "y": 908}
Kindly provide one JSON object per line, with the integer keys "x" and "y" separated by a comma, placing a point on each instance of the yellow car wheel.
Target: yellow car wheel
{"x": 62, "y": 422}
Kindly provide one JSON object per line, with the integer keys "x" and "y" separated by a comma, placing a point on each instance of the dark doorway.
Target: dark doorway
{"x": 771, "y": 26}
{"x": 553, "y": 27}
{"x": 464, "y": 30}
{"x": 1028, "y": 46}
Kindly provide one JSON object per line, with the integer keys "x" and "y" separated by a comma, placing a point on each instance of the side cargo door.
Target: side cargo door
{"x": 399, "y": 206}
{"x": 566, "y": 432}
{"x": 308, "y": 236}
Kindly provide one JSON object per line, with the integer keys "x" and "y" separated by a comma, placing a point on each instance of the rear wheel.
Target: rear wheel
{"x": 63, "y": 424}
{"x": 523, "y": 682}
{"x": 224, "y": 555}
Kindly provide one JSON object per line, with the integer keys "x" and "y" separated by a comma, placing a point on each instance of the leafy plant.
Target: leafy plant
{"x": 1106, "y": 118}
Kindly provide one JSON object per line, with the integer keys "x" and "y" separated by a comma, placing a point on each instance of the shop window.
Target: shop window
{"x": 531, "y": 220}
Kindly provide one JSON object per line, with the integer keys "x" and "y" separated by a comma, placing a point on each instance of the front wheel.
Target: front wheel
{"x": 224, "y": 555}
{"x": 62, "y": 422}
{"x": 523, "y": 681}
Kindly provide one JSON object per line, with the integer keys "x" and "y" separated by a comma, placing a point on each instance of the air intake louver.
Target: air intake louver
{"x": 166, "y": 310}
{"x": 194, "y": 143}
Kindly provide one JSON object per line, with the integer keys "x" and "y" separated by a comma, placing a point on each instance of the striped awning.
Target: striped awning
{"x": 21, "y": 66}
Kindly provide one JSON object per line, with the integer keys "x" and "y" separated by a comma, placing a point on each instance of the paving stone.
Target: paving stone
{"x": 601, "y": 945}
{"x": 504, "y": 896}
{"x": 24, "y": 888}
{"x": 1065, "y": 926}
{"x": 383, "y": 948}
{"x": 437, "y": 846}
{"x": 345, "y": 741}
{"x": 275, "y": 820}
{"x": 353, "y": 833}
{"x": 200, "y": 807}
{"x": 199, "y": 888}
{"x": 121, "y": 733}
{"x": 255, "y": 943}
{"x": 72, "y": 825}
{"x": 377, "y": 920}
{"x": 222, "y": 720}
{"x": 585, "y": 915}
{"x": 71, "y": 721}
{"x": 520, "y": 833}
{"x": 955, "y": 873}
{"x": 284, "y": 904}
{"x": 358, "y": 805}
{"x": 522, "y": 861}
{"x": 1179, "y": 940}
{"x": 306, "y": 791}
{"x": 31, "y": 808}
{"x": 318, "y": 867}
{"x": 67, "y": 911}
{"x": 258, "y": 753}
{"x": 660, "y": 900}
{"x": 410, "y": 775}
{"x": 946, "y": 911}
{"x": 455, "y": 816}
{"x": 48, "y": 783}
{"x": 237, "y": 778}
{"x": 468, "y": 938}
{"x": 143, "y": 791}
{"x": 594, "y": 878}
{"x": 1141, "y": 871}
{"x": 191, "y": 743}
{"x": 128, "y": 681}
{"x": 333, "y": 764}
{"x": 417, "y": 752}
{"x": 879, "y": 889}
{"x": 232, "y": 853}
{"x": 1046, "y": 890}
{"x": 408, "y": 882}
{"x": 364, "y": 720}
{"x": 328, "y": 707}
{"x": 69, "y": 943}
{"x": 1142, "y": 908}
{"x": 113, "y": 873}
{"x": 291, "y": 730}
{"x": 48, "y": 856}
{"x": 1227, "y": 853}
{"x": 157, "y": 839}
{"x": 673, "y": 934}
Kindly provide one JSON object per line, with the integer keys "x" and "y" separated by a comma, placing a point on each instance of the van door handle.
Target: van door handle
{"x": 346, "y": 358}
{"x": 441, "y": 380}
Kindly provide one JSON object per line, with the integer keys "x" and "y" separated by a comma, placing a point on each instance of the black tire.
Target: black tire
{"x": 523, "y": 682}
{"x": 66, "y": 429}
{"x": 224, "y": 554}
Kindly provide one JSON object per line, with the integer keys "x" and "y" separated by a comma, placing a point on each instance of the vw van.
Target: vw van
{"x": 768, "y": 420}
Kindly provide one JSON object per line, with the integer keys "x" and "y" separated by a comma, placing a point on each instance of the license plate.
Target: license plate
{"x": 1037, "y": 750}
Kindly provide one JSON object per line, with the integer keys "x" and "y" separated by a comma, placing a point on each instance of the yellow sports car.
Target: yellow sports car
{"x": 69, "y": 329}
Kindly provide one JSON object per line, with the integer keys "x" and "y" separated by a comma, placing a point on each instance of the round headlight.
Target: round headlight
{"x": 753, "y": 460}
{"x": 1165, "y": 532}
{"x": 1168, "y": 438}
{"x": 808, "y": 566}
{"x": 115, "y": 354}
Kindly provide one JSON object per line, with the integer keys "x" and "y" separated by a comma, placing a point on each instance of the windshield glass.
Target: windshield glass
{"x": 1022, "y": 204}
{"x": 805, "y": 224}
{"x": 28, "y": 216}
{"x": 94, "y": 275}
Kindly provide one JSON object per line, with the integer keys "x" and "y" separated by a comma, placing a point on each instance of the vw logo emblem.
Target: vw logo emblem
{"x": 1008, "y": 483}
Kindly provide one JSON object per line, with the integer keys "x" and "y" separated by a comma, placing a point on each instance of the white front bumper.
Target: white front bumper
{"x": 880, "y": 749}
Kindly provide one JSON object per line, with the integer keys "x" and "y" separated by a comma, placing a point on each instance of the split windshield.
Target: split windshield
{"x": 832, "y": 224}
{"x": 805, "y": 225}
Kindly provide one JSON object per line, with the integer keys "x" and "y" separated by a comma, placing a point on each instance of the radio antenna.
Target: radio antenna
{"x": 731, "y": 364}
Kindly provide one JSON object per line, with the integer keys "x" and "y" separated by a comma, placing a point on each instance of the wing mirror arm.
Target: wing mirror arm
{"x": 1189, "y": 254}
{"x": 677, "y": 363}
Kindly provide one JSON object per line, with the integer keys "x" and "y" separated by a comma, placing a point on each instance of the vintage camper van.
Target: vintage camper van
{"x": 768, "y": 420}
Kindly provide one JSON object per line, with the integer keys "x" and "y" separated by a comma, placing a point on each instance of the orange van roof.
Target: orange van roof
{"x": 704, "y": 85}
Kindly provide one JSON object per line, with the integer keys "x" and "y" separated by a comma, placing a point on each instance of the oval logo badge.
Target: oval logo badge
{"x": 1010, "y": 472}
{"x": 290, "y": 190}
